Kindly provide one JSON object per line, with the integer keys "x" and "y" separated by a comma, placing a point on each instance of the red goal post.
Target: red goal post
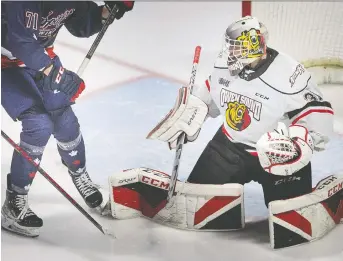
{"x": 311, "y": 32}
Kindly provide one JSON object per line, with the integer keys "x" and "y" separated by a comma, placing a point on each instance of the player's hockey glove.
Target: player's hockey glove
{"x": 285, "y": 151}
{"x": 188, "y": 115}
{"x": 59, "y": 88}
{"x": 122, "y": 6}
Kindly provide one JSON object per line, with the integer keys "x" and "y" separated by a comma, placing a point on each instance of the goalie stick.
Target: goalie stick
{"x": 181, "y": 138}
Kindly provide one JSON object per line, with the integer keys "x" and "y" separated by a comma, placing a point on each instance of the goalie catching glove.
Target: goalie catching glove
{"x": 188, "y": 115}
{"x": 285, "y": 150}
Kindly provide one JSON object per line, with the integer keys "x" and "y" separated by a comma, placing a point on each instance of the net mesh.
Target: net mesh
{"x": 311, "y": 32}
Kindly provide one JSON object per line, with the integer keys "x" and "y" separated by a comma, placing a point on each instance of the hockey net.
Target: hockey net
{"x": 311, "y": 32}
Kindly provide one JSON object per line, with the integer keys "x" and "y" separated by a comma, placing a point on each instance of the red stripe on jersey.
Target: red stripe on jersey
{"x": 297, "y": 220}
{"x": 311, "y": 111}
{"x": 7, "y": 62}
{"x": 226, "y": 133}
{"x": 208, "y": 85}
{"x": 253, "y": 153}
{"x": 50, "y": 51}
{"x": 211, "y": 207}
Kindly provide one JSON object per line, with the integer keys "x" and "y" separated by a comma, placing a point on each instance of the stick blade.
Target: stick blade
{"x": 109, "y": 232}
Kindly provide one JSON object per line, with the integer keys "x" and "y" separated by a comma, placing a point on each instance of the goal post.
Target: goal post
{"x": 311, "y": 32}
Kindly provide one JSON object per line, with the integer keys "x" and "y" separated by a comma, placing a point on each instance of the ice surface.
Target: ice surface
{"x": 114, "y": 123}
{"x": 131, "y": 84}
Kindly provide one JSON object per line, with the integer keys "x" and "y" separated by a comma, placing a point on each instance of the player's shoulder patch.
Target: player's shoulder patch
{"x": 286, "y": 75}
{"x": 220, "y": 73}
{"x": 312, "y": 96}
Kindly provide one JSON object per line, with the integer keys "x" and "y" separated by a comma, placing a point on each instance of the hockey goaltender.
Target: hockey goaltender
{"x": 270, "y": 130}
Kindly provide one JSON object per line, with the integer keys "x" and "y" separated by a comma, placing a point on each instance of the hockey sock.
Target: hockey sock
{"x": 73, "y": 154}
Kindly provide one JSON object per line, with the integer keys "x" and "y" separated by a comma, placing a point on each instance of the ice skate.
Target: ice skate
{"x": 87, "y": 189}
{"x": 17, "y": 217}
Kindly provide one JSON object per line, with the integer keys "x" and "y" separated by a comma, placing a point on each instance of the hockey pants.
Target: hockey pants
{"x": 225, "y": 162}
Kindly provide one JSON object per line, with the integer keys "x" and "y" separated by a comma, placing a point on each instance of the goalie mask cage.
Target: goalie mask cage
{"x": 311, "y": 32}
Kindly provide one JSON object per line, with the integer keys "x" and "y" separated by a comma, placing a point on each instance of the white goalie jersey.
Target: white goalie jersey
{"x": 253, "y": 102}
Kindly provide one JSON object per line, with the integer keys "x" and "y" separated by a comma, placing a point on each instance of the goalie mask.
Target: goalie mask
{"x": 244, "y": 43}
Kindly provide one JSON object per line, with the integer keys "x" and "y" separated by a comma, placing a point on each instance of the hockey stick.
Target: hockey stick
{"x": 55, "y": 184}
{"x": 97, "y": 40}
{"x": 181, "y": 138}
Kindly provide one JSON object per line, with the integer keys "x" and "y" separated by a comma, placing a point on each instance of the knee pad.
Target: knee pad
{"x": 66, "y": 126}
{"x": 37, "y": 129}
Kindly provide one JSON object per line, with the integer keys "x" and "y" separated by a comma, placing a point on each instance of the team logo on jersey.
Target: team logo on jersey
{"x": 50, "y": 24}
{"x": 239, "y": 110}
{"x": 299, "y": 70}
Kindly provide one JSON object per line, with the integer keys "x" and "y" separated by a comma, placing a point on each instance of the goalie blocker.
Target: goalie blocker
{"x": 143, "y": 192}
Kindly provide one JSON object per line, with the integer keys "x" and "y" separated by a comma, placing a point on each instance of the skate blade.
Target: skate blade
{"x": 103, "y": 210}
{"x": 11, "y": 226}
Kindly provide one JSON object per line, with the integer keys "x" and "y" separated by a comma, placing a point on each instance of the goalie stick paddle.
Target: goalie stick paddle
{"x": 55, "y": 184}
{"x": 181, "y": 138}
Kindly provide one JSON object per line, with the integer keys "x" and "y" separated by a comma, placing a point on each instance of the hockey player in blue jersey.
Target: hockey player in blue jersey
{"x": 38, "y": 91}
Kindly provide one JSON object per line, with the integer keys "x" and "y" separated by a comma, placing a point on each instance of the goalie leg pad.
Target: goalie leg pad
{"x": 143, "y": 192}
{"x": 309, "y": 217}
